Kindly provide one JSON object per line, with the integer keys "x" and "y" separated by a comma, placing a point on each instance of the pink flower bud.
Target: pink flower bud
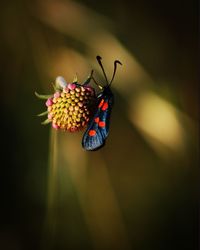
{"x": 71, "y": 86}
{"x": 55, "y": 126}
{"x": 66, "y": 90}
{"x": 56, "y": 94}
{"x": 50, "y": 116}
{"x": 49, "y": 102}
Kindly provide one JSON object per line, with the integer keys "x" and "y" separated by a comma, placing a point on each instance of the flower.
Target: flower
{"x": 70, "y": 107}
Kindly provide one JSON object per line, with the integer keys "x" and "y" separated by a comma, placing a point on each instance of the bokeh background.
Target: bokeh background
{"x": 139, "y": 191}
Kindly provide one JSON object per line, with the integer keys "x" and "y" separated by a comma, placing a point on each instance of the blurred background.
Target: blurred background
{"x": 139, "y": 191}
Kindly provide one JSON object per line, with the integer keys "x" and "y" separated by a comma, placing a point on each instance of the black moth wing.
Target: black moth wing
{"x": 98, "y": 128}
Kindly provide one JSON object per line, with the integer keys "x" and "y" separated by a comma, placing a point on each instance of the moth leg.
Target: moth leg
{"x": 89, "y": 78}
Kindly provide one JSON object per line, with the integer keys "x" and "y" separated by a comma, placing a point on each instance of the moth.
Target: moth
{"x": 98, "y": 127}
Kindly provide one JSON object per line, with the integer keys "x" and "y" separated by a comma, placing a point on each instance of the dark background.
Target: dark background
{"x": 140, "y": 191}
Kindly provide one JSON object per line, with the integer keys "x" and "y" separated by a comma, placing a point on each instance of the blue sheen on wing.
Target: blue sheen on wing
{"x": 102, "y": 113}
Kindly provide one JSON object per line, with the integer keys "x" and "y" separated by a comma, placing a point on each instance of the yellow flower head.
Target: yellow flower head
{"x": 71, "y": 106}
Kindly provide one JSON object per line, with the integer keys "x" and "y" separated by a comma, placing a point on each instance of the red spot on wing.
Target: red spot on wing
{"x": 105, "y": 106}
{"x": 101, "y": 103}
{"x": 102, "y": 124}
{"x": 92, "y": 132}
{"x": 96, "y": 119}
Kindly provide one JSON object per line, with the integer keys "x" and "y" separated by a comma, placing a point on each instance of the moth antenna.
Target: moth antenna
{"x": 115, "y": 69}
{"x": 100, "y": 63}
